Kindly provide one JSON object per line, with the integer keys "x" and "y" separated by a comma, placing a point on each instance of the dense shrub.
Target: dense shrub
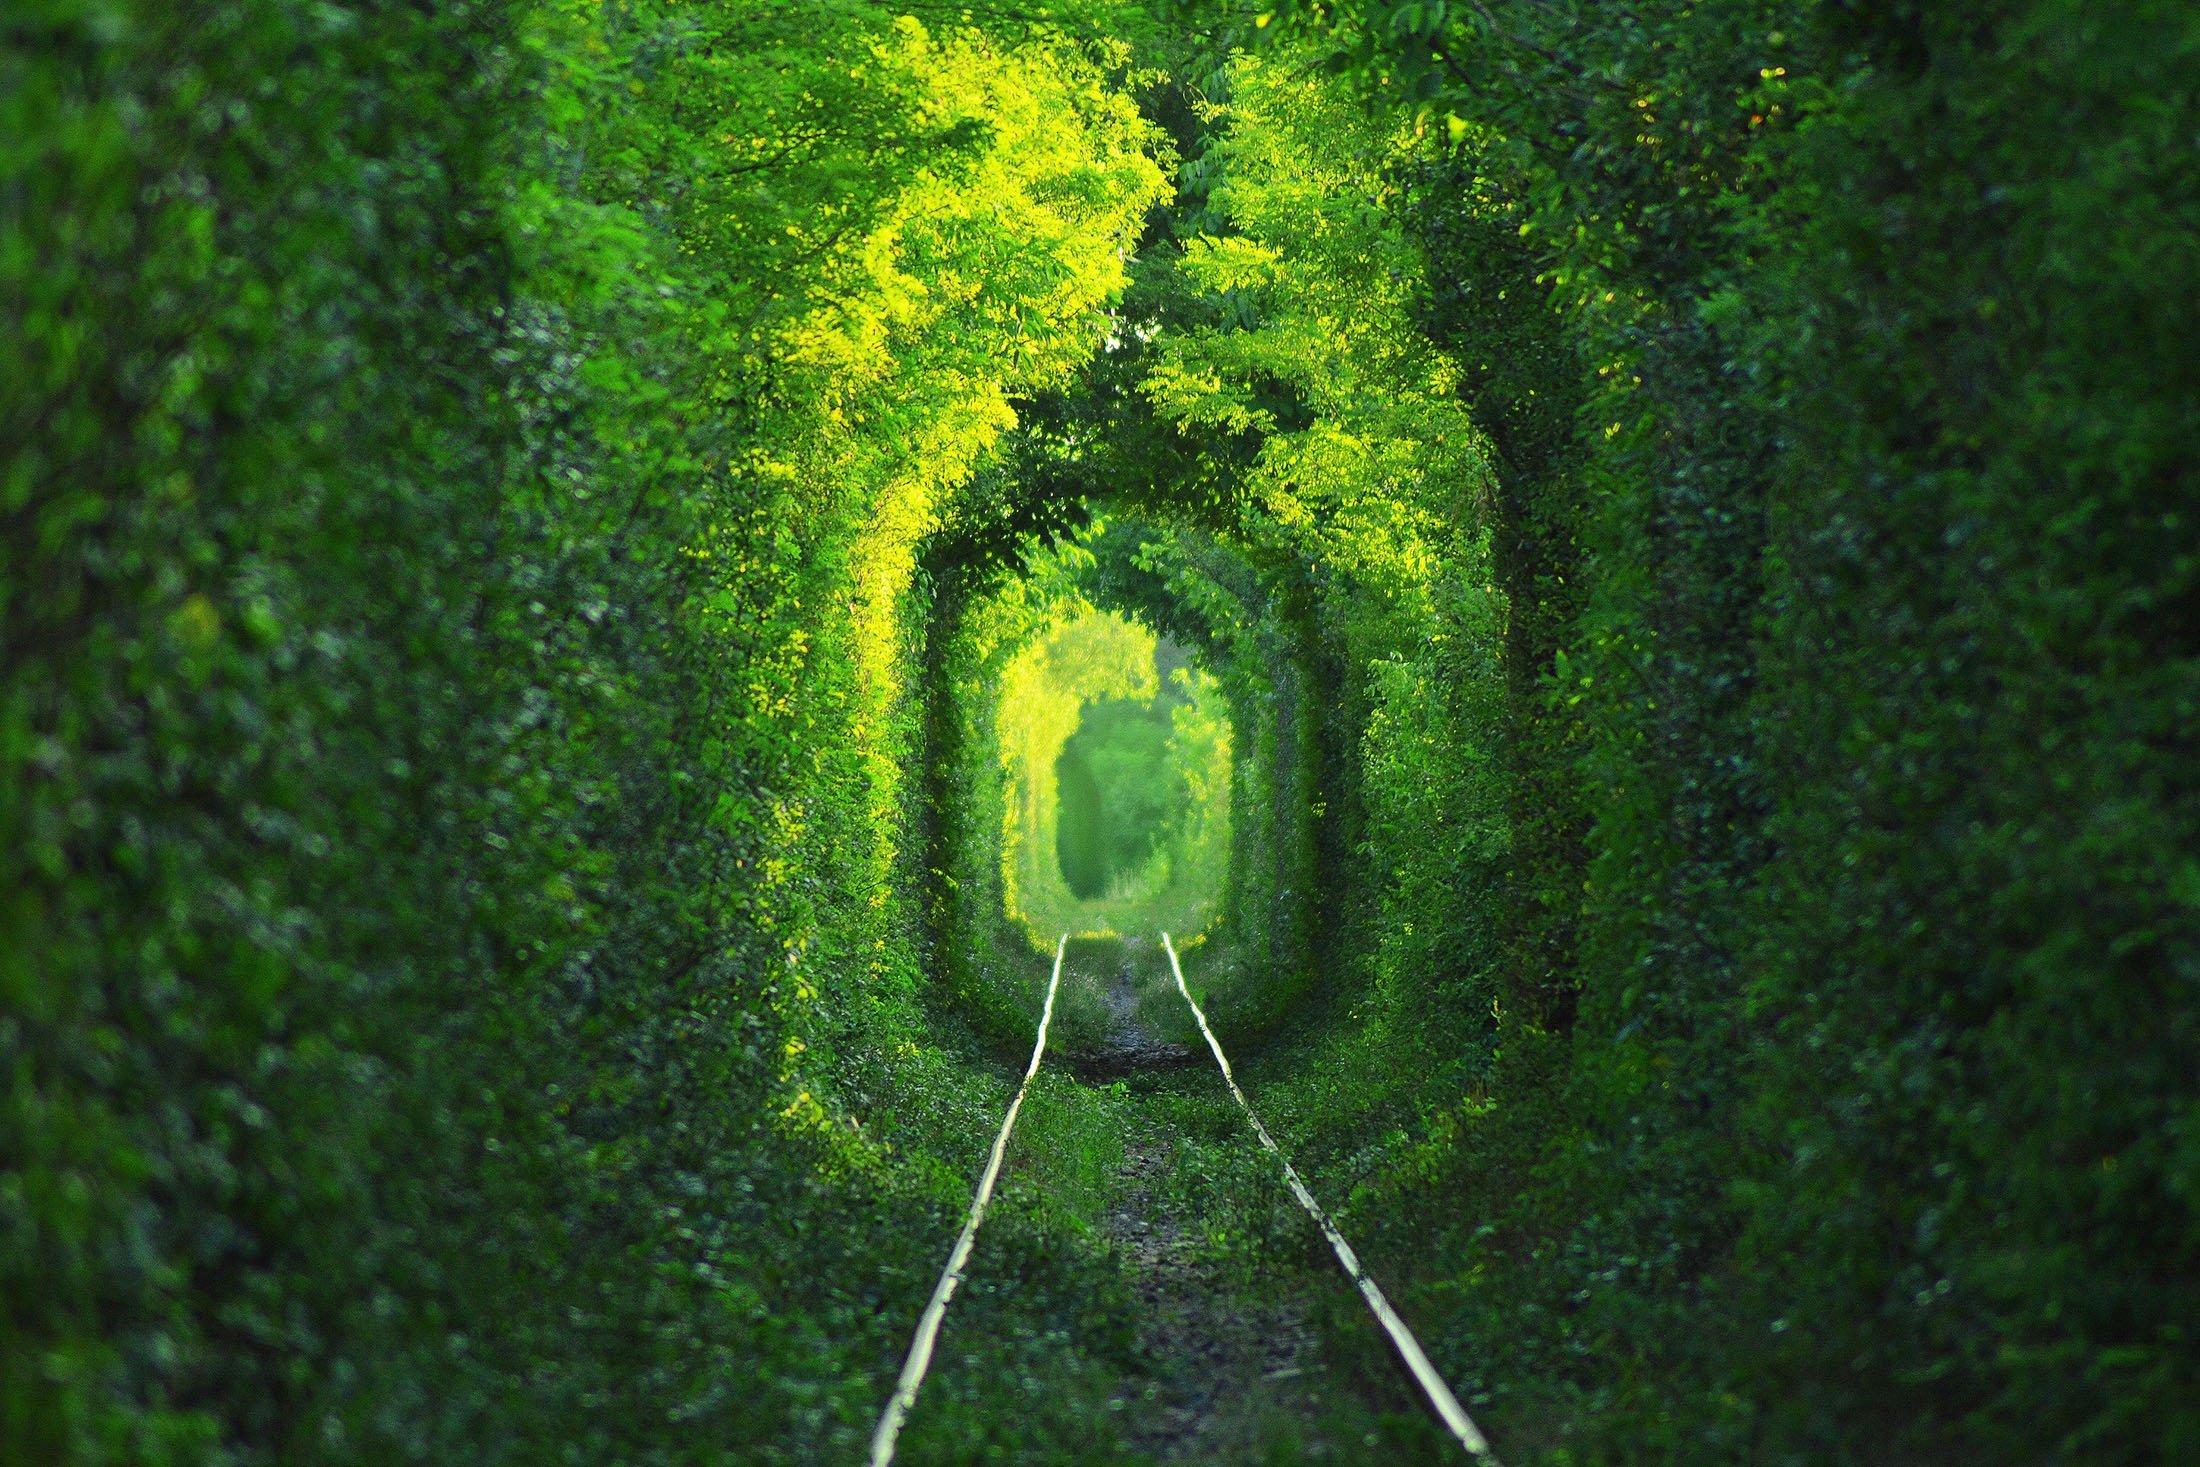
{"x": 1875, "y": 677}
{"x": 462, "y": 468}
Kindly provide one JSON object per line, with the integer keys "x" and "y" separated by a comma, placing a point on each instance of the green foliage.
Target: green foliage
{"x": 1084, "y": 658}
{"x": 1827, "y": 600}
{"x": 1141, "y": 809}
{"x": 533, "y": 541}
{"x": 462, "y": 474}
{"x": 1127, "y": 800}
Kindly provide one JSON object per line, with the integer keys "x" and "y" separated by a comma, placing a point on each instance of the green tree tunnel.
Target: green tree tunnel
{"x": 587, "y": 589}
{"x": 1120, "y": 796}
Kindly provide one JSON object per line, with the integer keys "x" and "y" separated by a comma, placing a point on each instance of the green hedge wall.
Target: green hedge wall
{"x": 448, "y": 1010}
{"x": 1863, "y": 567}
{"x": 376, "y": 1001}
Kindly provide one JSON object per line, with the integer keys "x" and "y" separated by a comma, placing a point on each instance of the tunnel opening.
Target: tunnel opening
{"x": 1117, "y": 752}
{"x": 1119, "y": 797}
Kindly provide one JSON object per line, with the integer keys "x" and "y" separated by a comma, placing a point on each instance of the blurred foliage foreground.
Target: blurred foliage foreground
{"x": 527, "y": 535}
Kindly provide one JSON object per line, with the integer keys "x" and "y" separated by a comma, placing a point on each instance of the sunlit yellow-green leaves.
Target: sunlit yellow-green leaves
{"x": 1090, "y": 660}
{"x": 1323, "y": 282}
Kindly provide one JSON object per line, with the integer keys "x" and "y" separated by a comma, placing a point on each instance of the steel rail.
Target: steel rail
{"x": 919, "y": 1360}
{"x": 1447, "y": 1407}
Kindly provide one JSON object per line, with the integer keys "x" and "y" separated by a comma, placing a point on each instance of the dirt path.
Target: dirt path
{"x": 1237, "y": 1377}
{"x": 1127, "y": 1047}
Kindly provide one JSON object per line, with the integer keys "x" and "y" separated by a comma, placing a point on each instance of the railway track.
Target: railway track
{"x": 919, "y": 1360}
{"x": 1441, "y": 1400}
